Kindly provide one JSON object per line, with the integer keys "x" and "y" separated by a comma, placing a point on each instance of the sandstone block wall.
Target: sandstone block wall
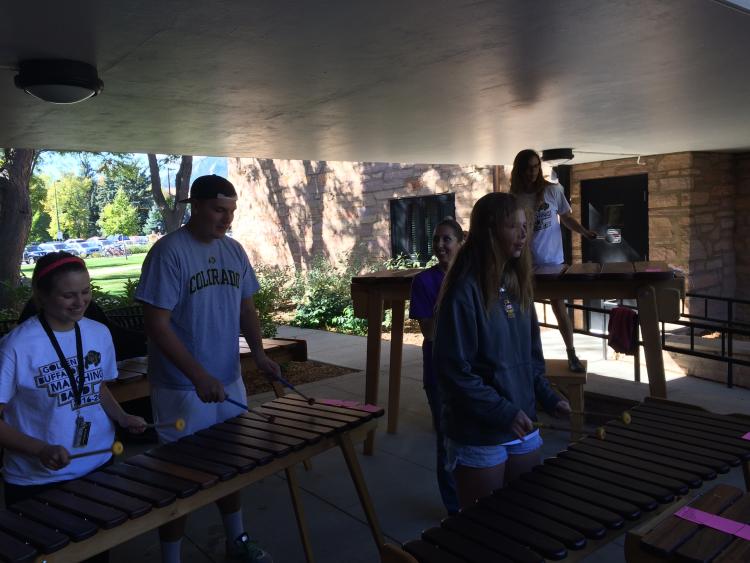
{"x": 292, "y": 212}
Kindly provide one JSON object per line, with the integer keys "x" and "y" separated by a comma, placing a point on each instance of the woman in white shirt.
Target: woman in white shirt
{"x": 53, "y": 397}
{"x": 546, "y": 202}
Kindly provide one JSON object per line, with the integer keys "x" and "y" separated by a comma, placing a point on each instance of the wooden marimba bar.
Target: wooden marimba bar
{"x": 112, "y": 505}
{"x": 594, "y": 490}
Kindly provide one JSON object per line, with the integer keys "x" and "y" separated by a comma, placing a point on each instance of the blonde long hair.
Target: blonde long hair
{"x": 483, "y": 257}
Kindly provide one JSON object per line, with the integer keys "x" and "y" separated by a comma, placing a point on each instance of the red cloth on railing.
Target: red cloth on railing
{"x": 623, "y": 330}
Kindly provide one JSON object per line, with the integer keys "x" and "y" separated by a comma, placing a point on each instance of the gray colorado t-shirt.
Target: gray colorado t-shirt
{"x": 202, "y": 284}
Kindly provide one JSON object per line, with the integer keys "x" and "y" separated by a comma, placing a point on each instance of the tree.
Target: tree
{"x": 41, "y": 223}
{"x": 172, "y": 212}
{"x": 68, "y": 200}
{"x": 154, "y": 222}
{"x": 89, "y": 170}
{"x": 16, "y": 168}
{"x": 124, "y": 171}
{"x": 40, "y": 220}
{"x": 119, "y": 216}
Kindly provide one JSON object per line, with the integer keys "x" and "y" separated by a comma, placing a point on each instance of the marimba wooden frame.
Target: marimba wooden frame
{"x": 345, "y": 439}
{"x": 658, "y": 299}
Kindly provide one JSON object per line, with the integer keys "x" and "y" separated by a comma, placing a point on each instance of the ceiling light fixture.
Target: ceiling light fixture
{"x": 557, "y": 156}
{"x": 58, "y": 81}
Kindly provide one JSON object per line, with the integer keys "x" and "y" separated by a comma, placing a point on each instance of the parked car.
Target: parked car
{"x": 92, "y": 246}
{"x": 76, "y": 249}
{"x": 136, "y": 240}
{"x": 32, "y": 253}
{"x": 83, "y": 249}
{"x": 48, "y": 247}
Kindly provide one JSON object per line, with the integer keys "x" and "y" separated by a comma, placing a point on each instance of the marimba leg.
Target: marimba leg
{"x": 299, "y": 512}
{"x": 649, "y": 320}
{"x": 347, "y": 449}
{"x": 372, "y": 371}
{"x": 394, "y": 373}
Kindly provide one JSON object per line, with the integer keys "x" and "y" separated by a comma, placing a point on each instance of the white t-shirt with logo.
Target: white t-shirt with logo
{"x": 546, "y": 239}
{"x": 39, "y": 401}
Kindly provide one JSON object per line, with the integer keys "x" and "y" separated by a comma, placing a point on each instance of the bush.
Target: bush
{"x": 267, "y": 298}
{"x": 348, "y": 323}
{"x": 17, "y": 299}
{"x": 139, "y": 248}
{"x": 109, "y": 301}
{"x": 323, "y": 294}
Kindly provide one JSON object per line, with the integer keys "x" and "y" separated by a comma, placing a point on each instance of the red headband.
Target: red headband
{"x": 57, "y": 263}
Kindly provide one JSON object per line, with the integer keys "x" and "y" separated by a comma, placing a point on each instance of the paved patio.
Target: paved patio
{"x": 400, "y": 476}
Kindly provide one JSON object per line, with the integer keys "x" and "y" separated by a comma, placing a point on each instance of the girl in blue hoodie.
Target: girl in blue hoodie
{"x": 488, "y": 354}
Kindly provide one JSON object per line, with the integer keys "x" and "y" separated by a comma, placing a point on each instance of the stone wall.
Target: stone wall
{"x": 699, "y": 222}
{"x": 293, "y": 212}
{"x": 691, "y": 213}
{"x": 742, "y": 226}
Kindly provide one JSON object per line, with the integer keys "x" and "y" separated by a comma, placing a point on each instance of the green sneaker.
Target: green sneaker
{"x": 246, "y": 549}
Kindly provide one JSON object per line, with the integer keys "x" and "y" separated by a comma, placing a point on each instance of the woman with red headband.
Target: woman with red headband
{"x": 53, "y": 399}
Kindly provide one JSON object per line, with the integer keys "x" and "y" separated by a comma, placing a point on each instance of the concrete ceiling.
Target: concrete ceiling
{"x": 397, "y": 81}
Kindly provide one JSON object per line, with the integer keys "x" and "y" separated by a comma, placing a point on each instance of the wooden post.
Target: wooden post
{"x": 299, "y": 512}
{"x": 649, "y": 321}
{"x": 345, "y": 442}
{"x": 394, "y": 374}
{"x": 372, "y": 368}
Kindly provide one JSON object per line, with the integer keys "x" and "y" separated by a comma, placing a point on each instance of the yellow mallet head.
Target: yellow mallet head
{"x": 179, "y": 424}
{"x": 117, "y": 448}
{"x": 626, "y": 418}
{"x": 601, "y": 433}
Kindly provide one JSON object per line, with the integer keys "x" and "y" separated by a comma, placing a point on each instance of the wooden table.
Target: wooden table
{"x": 669, "y": 537}
{"x": 653, "y": 284}
{"x": 132, "y": 382}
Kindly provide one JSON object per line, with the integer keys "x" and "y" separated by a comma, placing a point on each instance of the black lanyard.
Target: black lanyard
{"x": 77, "y": 389}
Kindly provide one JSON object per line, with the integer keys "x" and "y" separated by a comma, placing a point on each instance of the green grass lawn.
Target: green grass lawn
{"x": 109, "y": 273}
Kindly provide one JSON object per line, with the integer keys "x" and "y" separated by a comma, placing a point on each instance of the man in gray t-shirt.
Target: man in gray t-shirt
{"x": 197, "y": 288}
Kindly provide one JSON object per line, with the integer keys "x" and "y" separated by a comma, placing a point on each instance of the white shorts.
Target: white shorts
{"x": 168, "y": 405}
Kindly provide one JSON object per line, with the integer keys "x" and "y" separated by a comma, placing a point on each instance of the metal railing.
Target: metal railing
{"x": 726, "y": 325}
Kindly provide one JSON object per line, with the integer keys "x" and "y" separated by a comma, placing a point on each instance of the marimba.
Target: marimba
{"x": 132, "y": 381}
{"x": 679, "y": 534}
{"x": 654, "y": 285}
{"x": 106, "y": 508}
{"x": 594, "y": 490}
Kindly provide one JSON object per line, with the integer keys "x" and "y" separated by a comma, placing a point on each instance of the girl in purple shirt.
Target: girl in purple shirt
{"x": 446, "y": 240}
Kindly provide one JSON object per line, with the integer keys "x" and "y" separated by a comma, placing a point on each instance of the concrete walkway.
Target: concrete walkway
{"x": 401, "y": 474}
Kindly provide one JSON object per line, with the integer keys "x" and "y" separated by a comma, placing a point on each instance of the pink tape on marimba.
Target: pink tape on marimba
{"x": 348, "y": 404}
{"x": 746, "y": 436}
{"x": 715, "y": 522}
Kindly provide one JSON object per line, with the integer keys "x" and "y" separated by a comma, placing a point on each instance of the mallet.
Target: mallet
{"x": 599, "y": 432}
{"x": 284, "y": 381}
{"x": 268, "y": 417}
{"x": 116, "y": 449}
{"x": 179, "y": 424}
{"x": 624, "y": 415}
